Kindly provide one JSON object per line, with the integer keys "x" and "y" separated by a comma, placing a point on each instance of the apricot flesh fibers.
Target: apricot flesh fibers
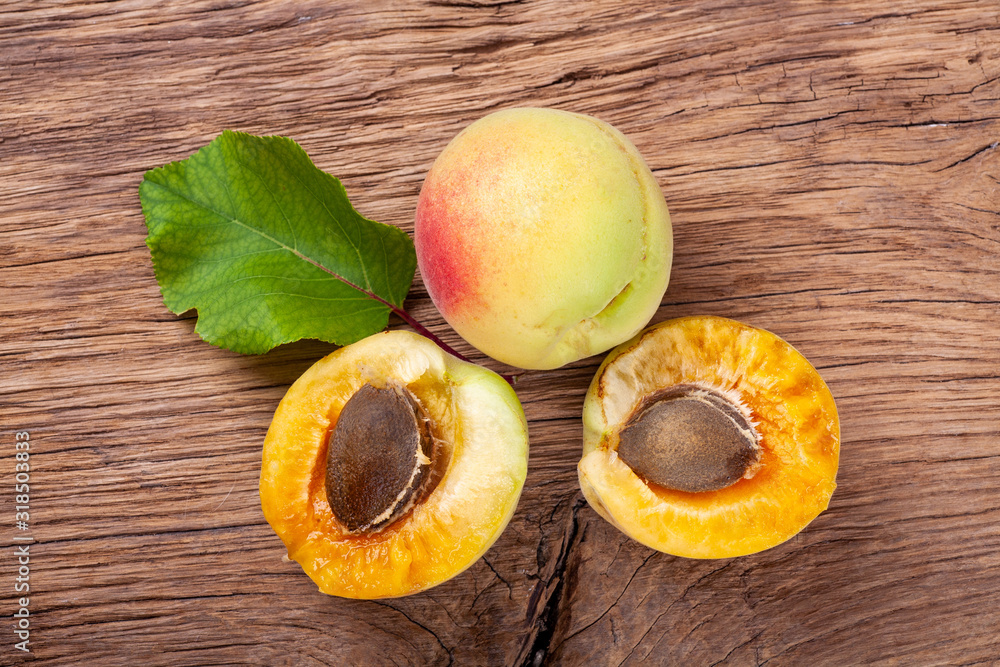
{"x": 787, "y": 433}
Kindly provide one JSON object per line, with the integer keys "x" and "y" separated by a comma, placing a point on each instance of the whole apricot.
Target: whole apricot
{"x": 543, "y": 237}
{"x": 391, "y": 466}
{"x": 708, "y": 438}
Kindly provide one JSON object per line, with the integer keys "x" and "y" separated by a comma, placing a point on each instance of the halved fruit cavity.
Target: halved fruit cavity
{"x": 787, "y": 405}
{"x": 478, "y": 469}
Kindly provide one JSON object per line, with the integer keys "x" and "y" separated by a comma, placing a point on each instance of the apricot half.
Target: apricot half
{"x": 391, "y": 466}
{"x": 708, "y": 438}
{"x": 543, "y": 237}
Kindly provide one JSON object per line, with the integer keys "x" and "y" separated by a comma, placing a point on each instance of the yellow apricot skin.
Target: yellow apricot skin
{"x": 480, "y": 425}
{"x": 543, "y": 237}
{"x": 790, "y": 405}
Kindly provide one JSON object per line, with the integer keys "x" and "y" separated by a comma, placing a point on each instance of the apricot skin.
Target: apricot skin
{"x": 480, "y": 426}
{"x": 788, "y": 402}
{"x": 543, "y": 237}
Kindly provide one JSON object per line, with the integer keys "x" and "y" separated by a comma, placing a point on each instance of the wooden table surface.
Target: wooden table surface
{"x": 832, "y": 170}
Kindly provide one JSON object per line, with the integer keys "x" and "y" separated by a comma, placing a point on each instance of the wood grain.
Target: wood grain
{"x": 832, "y": 170}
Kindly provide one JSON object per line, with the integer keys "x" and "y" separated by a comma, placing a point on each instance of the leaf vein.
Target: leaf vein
{"x": 336, "y": 221}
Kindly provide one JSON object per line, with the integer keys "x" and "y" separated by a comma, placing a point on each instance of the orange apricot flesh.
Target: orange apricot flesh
{"x": 783, "y": 396}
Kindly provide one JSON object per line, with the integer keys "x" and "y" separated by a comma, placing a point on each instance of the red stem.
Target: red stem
{"x": 424, "y": 331}
{"x": 406, "y": 317}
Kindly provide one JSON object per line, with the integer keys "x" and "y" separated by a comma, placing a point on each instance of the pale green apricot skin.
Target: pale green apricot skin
{"x": 476, "y": 417}
{"x": 543, "y": 237}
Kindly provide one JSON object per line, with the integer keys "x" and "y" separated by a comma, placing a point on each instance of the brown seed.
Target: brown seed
{"x": 378, "y": 457}
{"x": 687, "y": 438}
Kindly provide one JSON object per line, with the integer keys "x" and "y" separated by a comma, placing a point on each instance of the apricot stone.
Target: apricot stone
{"x": 543, "y": 237}
{"x": 689, "y": 439}
{"x": 391, "y": 466}
{"x": 741, "y": 456}
{"x": 379, "y": 457}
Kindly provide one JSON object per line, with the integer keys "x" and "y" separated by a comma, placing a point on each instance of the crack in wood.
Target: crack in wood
{"x": 510, "y": 590}
{"x": 543, "y": 614}
{"x": 616, "y": 601}
{"x": 966, "y": 159}
{"x": 748, "y": 642}
{"x": 451, "y": 655}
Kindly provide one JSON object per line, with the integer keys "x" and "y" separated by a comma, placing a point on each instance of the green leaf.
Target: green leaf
{"x": 268, "y": 248}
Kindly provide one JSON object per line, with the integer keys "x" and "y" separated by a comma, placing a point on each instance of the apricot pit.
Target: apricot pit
{"x": 689, "y": 439}
{"x": 378, "y": 457}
